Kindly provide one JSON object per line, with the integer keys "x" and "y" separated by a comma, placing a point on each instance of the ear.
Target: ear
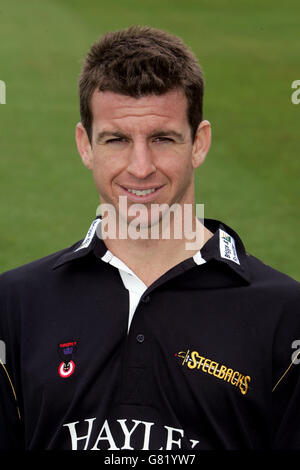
{"x": 201, "y": 143}
{"x": 84, "y": 146}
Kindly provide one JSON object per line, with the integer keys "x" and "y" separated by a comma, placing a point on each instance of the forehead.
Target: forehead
{"x": 112, "y": 108}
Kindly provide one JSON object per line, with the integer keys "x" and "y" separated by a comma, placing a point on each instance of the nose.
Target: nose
{"x": 141, "y": 163}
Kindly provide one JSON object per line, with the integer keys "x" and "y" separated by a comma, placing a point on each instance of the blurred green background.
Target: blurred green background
{"x": 250, "y": 54}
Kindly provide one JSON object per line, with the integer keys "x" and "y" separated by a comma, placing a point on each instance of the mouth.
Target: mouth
{"x": 141, "y": 194}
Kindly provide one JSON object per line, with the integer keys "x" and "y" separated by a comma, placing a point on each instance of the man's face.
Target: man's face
{"x": 142, "y": 148}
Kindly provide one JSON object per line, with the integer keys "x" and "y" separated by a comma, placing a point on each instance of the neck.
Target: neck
{"x": 149, "y": 258}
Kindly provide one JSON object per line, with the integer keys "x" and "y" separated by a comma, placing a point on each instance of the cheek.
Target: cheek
{"x": 104, "y": 166}
{"x": 178, "y": 159}
{"x": 105, "y": 170}
{"x": 179, "y": 169}
{"x": 182, "y": 178}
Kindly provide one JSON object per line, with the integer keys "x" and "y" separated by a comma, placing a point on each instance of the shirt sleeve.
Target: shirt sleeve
{"x": 285, "y": 414}
{"x": 10, "y": 417}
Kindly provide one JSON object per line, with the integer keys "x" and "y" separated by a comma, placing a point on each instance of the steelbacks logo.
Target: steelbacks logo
{"x": 66, "y": 351}
{"x": 194, "y": 360}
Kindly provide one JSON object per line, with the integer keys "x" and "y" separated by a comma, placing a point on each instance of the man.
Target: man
{"x": 124, "y": 342}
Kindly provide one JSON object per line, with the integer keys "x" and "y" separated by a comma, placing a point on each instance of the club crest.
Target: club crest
{"x": 66, "y": 351}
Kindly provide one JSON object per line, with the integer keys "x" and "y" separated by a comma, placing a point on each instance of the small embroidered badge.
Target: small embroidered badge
{"x": 66, "y": 350}
{"x": 65, "y": 370}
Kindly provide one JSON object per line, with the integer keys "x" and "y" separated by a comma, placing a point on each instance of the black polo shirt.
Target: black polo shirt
{"x": 209, "y": 362}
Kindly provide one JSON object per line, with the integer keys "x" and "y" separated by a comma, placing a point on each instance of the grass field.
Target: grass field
{"x": 250, "y": 54}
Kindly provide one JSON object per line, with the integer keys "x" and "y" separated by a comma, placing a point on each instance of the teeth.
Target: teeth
{"x": 141, "y": 193}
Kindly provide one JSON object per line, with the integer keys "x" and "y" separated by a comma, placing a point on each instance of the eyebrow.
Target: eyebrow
{"x": 156, "y": 133}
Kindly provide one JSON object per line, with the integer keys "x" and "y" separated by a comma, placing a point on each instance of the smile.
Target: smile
{"x": 141, "y": 192}
{"x": 141, "y": 195}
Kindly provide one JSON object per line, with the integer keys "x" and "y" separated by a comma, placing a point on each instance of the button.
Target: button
{"x": 140, "y": 338}
{"x": 146, "y": 299}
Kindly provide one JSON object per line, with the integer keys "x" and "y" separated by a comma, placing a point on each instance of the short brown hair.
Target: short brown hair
{"x": 139, "y": 61}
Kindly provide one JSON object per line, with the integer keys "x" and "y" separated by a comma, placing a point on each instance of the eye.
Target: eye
{"x": 115, "y": 140}
{"x": 163, "y": 139}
